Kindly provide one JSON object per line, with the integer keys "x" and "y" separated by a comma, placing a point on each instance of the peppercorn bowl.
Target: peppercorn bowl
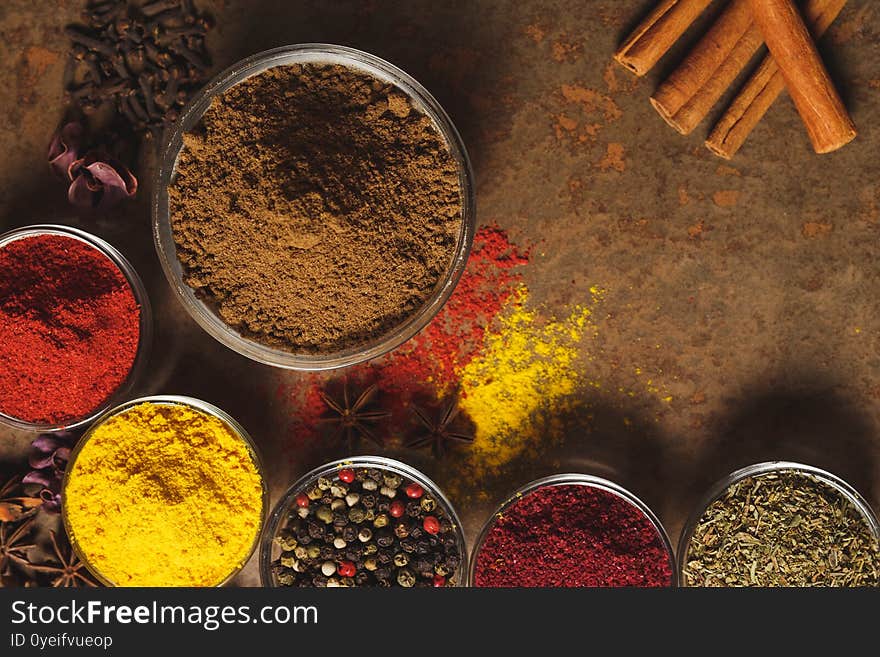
{"x": 364, "y": 521}
{"x": 144, "y": 326}
{"x": 202, "y": 310}
{"x": 161, "y": 516}
{"x": 542, "y": 533}
{"x": 716, "y": 492}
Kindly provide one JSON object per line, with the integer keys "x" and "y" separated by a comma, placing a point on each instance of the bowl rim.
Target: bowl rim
{"x": 163, "y": 237}
{"x": 575, "y": 479}
{"x": 145, "y": 324}
{"x": 285, "y": 502}
{"x": 169, "y": 400}
{"x": 761, "y": 469}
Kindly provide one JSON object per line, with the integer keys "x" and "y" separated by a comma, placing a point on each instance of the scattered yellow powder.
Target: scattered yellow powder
{"x": 163, "y": 494}
{"x": 523, "y": 382}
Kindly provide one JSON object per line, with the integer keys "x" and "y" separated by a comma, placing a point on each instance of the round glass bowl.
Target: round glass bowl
{"x": 330, "y": 474}
{"x": 201, "y": 407}
{"x": 164, "y": 238}
{"x": 566, "y": 480}
{"x": 759, "y": 469}
{"x": 145, "y": 327}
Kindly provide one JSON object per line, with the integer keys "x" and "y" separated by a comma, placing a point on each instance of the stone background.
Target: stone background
{"x": 747, "y": 292}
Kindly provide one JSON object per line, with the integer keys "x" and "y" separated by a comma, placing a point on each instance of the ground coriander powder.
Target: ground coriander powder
{"x": 314, "y": 208}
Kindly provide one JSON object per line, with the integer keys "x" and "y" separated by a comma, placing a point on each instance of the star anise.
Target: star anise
{"x": 12, "y": 549}
{"x": 16, "y": 507}
{"x": 67, "y": 573}
{"x": 353, "y": 419}
{"x": 439, "y": 434}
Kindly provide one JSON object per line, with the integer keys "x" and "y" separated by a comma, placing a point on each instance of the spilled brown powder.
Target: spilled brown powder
{"x": 314, "y": 208}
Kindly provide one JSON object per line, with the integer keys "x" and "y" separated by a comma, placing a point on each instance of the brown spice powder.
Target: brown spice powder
{"x": 315, "y": 208}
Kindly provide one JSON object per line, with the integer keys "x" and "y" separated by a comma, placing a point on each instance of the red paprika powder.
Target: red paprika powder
{"x": 69, "y": 329}
{"x": 573, "y": 535}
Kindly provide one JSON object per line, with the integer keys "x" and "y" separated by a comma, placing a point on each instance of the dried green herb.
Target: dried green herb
{"x": 785, "y": 528}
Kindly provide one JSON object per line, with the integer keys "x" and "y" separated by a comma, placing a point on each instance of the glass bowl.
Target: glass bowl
{"x": 764, "y": 468}
{"x": 164, "y": 239}
{"x": 146, "y": 323}
{"x": 169, "y": 400}
{"x": 270, "y": 550}
{"x": 573, "y": 479}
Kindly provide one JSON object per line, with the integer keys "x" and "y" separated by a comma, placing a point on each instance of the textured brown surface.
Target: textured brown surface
{"x": 747, "y": 291}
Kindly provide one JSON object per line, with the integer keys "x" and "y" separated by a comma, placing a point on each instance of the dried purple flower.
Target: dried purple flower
{"x": 48, "y": 458}
{"x": 64, "y": 148}
{"x": 99, "y": 181}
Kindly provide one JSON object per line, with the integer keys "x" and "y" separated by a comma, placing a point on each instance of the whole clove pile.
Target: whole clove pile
{"x": 145, "y": 60}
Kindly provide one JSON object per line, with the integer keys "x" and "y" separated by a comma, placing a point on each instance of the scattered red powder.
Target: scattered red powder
{"x": 69, "y": 329}
{"x": 569, "y": 536}
{"x": 427, "y": 366}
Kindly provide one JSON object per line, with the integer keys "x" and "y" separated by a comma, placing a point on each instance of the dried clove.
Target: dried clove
{"x": 147, "y": 59}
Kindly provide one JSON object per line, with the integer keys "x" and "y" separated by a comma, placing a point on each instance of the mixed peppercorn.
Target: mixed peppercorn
{"x": 367, "y": 527}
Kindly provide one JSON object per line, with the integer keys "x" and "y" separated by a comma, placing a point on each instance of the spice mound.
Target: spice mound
{"x": 69, "y": 329}
{"x": 784, "y": 528}
{"x": 367, "y": 527}
{"x": 315, "y": 208}
{"x": 164, "y": 495}
{"x": 572, "y": 536}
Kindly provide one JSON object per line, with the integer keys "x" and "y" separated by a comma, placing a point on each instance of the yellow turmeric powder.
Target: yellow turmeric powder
{"x": 164, "y": 494}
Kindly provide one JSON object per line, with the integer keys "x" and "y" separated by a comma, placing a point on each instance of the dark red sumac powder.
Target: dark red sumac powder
{"x": 573, "y": 535}
{"x": 69, "y": 329}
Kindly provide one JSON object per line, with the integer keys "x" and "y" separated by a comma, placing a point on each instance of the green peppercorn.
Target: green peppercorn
{"x": 405, "y": 578}
{"x": 324, "y": 483}
{"x": 324, "y": 514}
{"x": 288, "y": 561}
{"x": 401, "y": 531}
{"x": 370, "y": 484}
{"x": 370, "y": 515}
{"x": 387, "y": 491}
{"x": 286, "y": 579}
{"x": 300, "y": 552}
{"x": 392, "y": 480}
{"x": 356, "y": 515}
{"x": 441, "y": 569}
{"x": 336, "y": 505}
{"x": 380, "y": 521}
{"x": 287, "y": 543}
{"x": 428, "y": 504}
{"x": 302, "y": 512}
{"x": 313, "y": 552}
{"x": 370, "y": 548}
{"x": 370, "y": 563}
{"x": 352, "y": 498}
{"x": 401, "y": 559}
{"x": 315, "y": 493}
{"x": 338, "y": 490}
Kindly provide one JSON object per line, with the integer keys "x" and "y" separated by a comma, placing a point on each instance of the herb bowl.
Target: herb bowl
{"x": 767, "y": 468}
{"x": 169, "y": 400}
{"x": 145, "y": 328}
{"x": 573, "y": 479}
{"x": 163, "y": 236}
{"x": 271, "y": 551}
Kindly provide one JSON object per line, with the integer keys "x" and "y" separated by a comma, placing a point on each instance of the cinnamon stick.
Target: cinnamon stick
{"x": 656, "y": 34}
{"x": 764, "y": 87}
{"x": 806, "y": 78}
{"x": 688, "y": 94}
